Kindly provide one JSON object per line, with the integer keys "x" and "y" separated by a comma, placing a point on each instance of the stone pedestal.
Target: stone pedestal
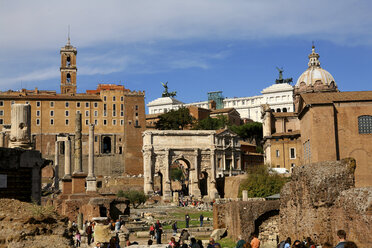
{"x": 91, "y": 184}
{"x": 66, "y": 186}
{"x": 245, "y": 195}
{"x": 78, "y": 183}
{"x": 20, "y": 131}
{"x": 175, "y": 197}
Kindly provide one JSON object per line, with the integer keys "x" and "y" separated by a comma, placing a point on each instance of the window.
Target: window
{"x": 121, "y": 113}
{"x": 113, "y": 109}
{"x": 104, "y": 122}
{"x": 1, "y": 103}
{"x": 284, "y": 110}
{"x": 67, "y": 104}
{"x": 66, "y": 122}
{"x": 67, "y": 113}
{"x": 96, "y": 104}
{"x": 365, "y": 124}
{"x": 51, "y": 104}
{"x": 136, "y": 114}
{"x": 136, "y": 107}
{"x": 87, "y": 104}
{"x": 114, "y": 122}
{"x": 77, "y": 111}
{"x": 37, "y": 122}
{"x": 95, "y": 113}
{"x": 95, "y": 138}
{"x": 1, "y": 112}
{"x": 121, "y": 122}
{"x": 51, "y": 113}
{"x": 1, "y": 121}
{"x": 122, "y": 98}
{"x": 104, "y": 98}
{"x": 51, "y": 121}
{"x": 86, "y": 122}
{"x": 78, "y": 104}
{"x": 113, "y": 98}
{"x": 27, "y": 103}
{"x": 87, "y": 113}
{"x": 38, "y": 104}
{"x": 277, "y": 153}
{"x": 68, "y": 78}
{"x": 105, "y": 109}
{"x": 38, "y": 113}
{"x": 95, "y": 122}
{"x": 137, "y": 124}
{"x": 292, "y": 152}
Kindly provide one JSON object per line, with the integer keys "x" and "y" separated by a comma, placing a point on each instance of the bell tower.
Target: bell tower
{"x": 68, "y": 69}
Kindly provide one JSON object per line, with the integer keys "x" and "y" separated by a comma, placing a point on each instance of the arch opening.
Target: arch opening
{"x": 179, "y": 176}
{"x": 106, "y": 145}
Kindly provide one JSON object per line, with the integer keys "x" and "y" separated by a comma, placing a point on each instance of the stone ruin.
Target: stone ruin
{"x": 321, "y": 199}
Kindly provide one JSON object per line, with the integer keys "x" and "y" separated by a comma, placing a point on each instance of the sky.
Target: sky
{"x": 197, "y": 46}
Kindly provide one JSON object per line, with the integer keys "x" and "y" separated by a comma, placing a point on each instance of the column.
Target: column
{"x": 167, "y": 193}
{"x": 148, "y": 187}
{"x": 78, "y": 145}
{"x": 56, "y": 165}
{"x": 194, "y": 176}
{"x": 67, "y": 158}
{"x": 91, "y": 179}
{"x": 233, "y": 165}
{"x": 2, "y": 137}
{"x": 212, "y": 190}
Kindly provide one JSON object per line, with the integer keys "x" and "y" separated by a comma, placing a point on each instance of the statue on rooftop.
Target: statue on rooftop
{"x": 165, "y": 92}
{"x": 280, "y": 80}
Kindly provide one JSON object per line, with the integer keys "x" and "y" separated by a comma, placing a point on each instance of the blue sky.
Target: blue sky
{"x": 195, "y": 45}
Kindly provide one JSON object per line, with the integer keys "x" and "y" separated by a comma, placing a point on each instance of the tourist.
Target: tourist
{"x": 341, "y": 234}
{"x": 187, "y": 219}
{"x": 201, "y": 217}
{"x": 89, "y": 232}
{"x": 152, "y": 231}
{"x": 200, "y": 243}
{"x": 184, "y": 235}
{"x": 183, "y": 244}
{"x": 98, "y": 245}
{"x": 117, "y": 225}
{"x": 212, "y": 243}
{"x": 247, "y": 245}
{"x": 350, "y": 244}
{"x": 309, "y": 243}
{"x": 174, "y": 228}
{"x": 158, "y": 232}
{"x": 172, "y": 242}
{"x": 78, "y": 238}
{"x": 255, "y": 243}
{"x": 240, "y": 242}
{"x": 149, "y": 242}
{"x": 113, "y": 243}
{"x": 193, "y": 243}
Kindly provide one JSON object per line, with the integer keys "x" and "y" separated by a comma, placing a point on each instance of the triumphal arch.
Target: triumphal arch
{"x": 201, "y": 156}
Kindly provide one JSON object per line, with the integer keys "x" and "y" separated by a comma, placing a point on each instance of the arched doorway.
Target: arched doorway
{"x": 158, "y": 183}
{"x": 179, "y": 176}
{"x": 203, "y": 183}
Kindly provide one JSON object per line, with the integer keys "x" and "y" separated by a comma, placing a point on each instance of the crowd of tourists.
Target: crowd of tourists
{"x": 186, "y": 202}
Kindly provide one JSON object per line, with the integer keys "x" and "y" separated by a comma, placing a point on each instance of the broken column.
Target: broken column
{"x": 91, "y": 179}
{"x": 78, "y": 177}
{"x": 20, "y": 131}
{"x": 66, "y": 180}
{"x": 2, "y": 139}
{"x": 167, "y": 192}
{"x": 213, "y": 193}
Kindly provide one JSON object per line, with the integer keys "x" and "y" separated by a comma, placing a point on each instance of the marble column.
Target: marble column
{"x": 78, "y": 145}
{"x": 20, "y": 131}
{"x": 212, "y": 190}
{"x": 148, "y": 187}
{"x": 56, "y": 165}
{"x": 91, "y": 179}
{"x": 167, "y": 193}
{"x": 67, "y": 158}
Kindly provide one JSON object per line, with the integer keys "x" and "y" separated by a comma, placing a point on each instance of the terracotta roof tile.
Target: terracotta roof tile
{"x": 224, "y": 110}
{"x": 284, "y": 114}
{"x": 330, "y": 97}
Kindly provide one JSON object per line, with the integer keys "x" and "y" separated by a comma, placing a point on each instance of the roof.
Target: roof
{"x": 224, "y": 110}
{"x": 330, "y": 97}
{"x": 297, "y": 132}
{"x": 153, "y": 116}
{"x": 164, "y": 101}
{"x": 277, "y": 88}
{"x": 49, "y": 97}
{"x": 284, "y": 114}
{"x": 246, "y": 143}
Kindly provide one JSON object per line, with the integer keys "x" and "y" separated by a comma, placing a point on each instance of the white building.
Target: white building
{"x": 278, "y": 96}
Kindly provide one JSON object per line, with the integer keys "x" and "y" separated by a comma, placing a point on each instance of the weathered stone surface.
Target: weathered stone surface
{"x": 321, "y": 199}
{"x": 243, "y": 218}
{"x": 218, "y": 233}
{"x": 102, "y": 233}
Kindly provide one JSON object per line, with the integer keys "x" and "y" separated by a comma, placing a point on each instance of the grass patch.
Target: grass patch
{"x": 39, "y": 211}
{"x": 193, "y": 215}
{"x": 227, "y": 242}
{"x": 182, "y": 224}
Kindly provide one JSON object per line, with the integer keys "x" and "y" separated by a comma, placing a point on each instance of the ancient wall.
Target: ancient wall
{"x": 114, "y": 184}
{"x": 232, "y": 185}
{"x": 321, "y": 199}
{"x": 243, "y": 217}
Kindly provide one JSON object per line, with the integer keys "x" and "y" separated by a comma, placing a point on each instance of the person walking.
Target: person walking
{"x": 158, "y": 232}
{"x": 187, "y": 219}
{"x": 152, "y": 231}
{"x": 78, "y": 238}
{"x": 174, "y": 228}
{"x": 201, "y": 217}
{"x": 89, "y": 232}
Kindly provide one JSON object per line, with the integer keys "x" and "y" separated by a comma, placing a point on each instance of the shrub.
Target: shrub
{"x": 135, "y": 197}
{"x": 39, "y": 211}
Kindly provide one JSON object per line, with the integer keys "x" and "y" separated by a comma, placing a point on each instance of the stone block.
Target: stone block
{"x": 66, "y": 186}
{"x": 78, "y": 183}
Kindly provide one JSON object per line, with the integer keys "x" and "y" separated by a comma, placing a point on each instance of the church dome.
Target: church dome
{"x": 315, "y": 75}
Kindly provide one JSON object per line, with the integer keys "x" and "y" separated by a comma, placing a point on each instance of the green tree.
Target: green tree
{"x": 261, "y": 183}
{"x": 251, "y": 132}
{"x": 135, "y": 197}
{"x": 176, "y": 173}
{"x": 212, "y": 123}
{"x": 174, "y": 120}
